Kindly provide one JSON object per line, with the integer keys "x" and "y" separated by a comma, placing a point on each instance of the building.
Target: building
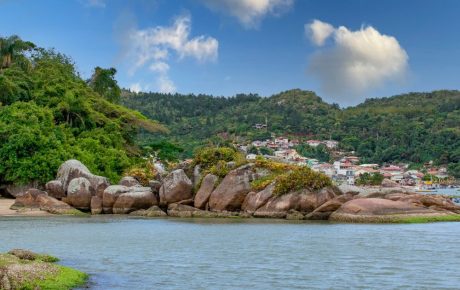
{"x": 314, "y": 143}
{"x": 331, "y": 144}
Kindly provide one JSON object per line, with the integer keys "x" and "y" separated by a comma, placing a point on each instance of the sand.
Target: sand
{"x": 5, "y": 210}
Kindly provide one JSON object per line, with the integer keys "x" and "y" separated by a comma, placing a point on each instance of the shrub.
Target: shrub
{"x": 142, "y": 173}
{"x": 300, "y": 178}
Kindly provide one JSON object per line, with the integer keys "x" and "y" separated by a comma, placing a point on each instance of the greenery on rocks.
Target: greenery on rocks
{"x": 142, "y": 172}
{"x": 215, "y": 159}
{"x": 300, "y": 178}
{"x": 49, "y": 114}
{"x": 413, "y": 128}
{"x": 369, "y": 179}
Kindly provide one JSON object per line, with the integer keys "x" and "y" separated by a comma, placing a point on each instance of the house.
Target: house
{"x": 326, "y": 168}
{"x": 313, "y": 143}
{"x": 251, "y": 157}
{"x": 331, "y": 144}
{"x": 260, "y": 126}
{"x": 288, "y": 154}
{"x": 258, "y": 143}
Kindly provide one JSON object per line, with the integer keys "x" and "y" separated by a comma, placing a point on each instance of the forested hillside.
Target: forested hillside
{"x": 415, "y": 127}
{"x": 49, "y": 114}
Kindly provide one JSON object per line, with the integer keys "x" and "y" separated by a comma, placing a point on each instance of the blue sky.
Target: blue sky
{"x": 357, "y": 49}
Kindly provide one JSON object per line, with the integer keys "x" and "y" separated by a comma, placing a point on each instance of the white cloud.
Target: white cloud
{"x": 136, "y": 87}
{"x": 318, "y": 31}
{"x": 250, "y": 12}
{"x": 154, "y": 46}
{"x": 357, "y": 61}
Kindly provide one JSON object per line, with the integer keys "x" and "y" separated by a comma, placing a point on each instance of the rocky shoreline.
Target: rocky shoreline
{"x": 186, "y": 193}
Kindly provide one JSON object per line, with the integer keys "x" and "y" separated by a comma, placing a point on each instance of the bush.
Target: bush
{"x": 370, "y": 179}
{"x": 142, "y": 173}
{"x": 301, "y": 178}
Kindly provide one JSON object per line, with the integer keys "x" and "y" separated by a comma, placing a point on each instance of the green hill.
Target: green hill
{"x": 414, "y": 127}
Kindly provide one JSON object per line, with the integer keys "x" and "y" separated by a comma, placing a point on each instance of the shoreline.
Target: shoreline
{"x": 5, "y": 211}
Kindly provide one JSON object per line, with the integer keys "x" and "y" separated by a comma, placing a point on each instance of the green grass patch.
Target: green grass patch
{"x": 260, "y": 183}
{"x": 66, "y": 278}
{"x": 429, "y": 219}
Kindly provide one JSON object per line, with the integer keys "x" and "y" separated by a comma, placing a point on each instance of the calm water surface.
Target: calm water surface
{"x": 122, "y": 253}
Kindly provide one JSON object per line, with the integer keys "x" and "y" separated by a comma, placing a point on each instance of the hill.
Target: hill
{"x": 414, "y": 127}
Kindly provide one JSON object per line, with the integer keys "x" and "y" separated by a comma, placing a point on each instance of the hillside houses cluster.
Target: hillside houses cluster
{"x": 347, "y": 168}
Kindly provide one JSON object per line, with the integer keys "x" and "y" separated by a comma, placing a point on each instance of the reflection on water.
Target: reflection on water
{"x": 122, "y": 253}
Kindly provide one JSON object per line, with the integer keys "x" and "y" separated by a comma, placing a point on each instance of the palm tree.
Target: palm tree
{"x": 12, "y": 47}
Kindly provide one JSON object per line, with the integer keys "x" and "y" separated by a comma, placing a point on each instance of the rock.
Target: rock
{"x": 110, "y": 195}
{"x": 18, "y": 190}
{"x": 153, "y": 211}
{"x": 379, "y": 210}
{"x": 254, "y": 200}
{"x": 96, "y": 205}
{"x": 129, "y": 181}
{"x": 73, "y": 169}
{"x": 231, "y": 192}
{"x": 155, "y": 186}
{"x": 23, "y": 254}
{"x": 438, "y": 202}
{"x": 196, "y": 175}
{"x": 79, "y": 193}
{"x": 176, "y": 187}
{"x": 37, "y": 199}
{"x": 325, "y": 210}
{"x": 389, "y": 183}
{"x": 182, "y": 211}
{"x": 278, "y": 206}
{"x": 136, "y": 198}
{"x": 207, "y": 186}
{"x": 55, "y": 189}
{"x": 294, "y": 215}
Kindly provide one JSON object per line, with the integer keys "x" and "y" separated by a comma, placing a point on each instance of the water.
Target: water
{"x": 123, "y": 253}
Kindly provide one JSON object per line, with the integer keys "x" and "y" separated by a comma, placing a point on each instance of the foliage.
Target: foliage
{"x": 273, "y": 166}
{"x": 103, "y": 82}
{"x": 319, "y": 152}
{"x": 164, "y": 150}
{"x": 300, "y": 178}
{"x": 369, "y": 179}
{"x": 207, "y": 157}
{"x": 50, "y": 114}
{"x": 143, "y": 172}
{"x": 261, "y": 183}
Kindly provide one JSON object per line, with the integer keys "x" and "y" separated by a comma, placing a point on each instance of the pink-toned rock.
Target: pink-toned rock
{"x": 37, "y": 199}
{"x": 129, "y": 181}
{"x": 231, "y": 192}
{"x": 326, "y": 209}
{"x": 176, "y": 187}
{"x": 55, "y": 189}
{"x": 79, "y": 193}
{"x": 135, "y": 199}
{"x": 279, "y": 206}
{"x": 208, "y": 184}
{"x": 389, "y": 183}
{"x": 110, "y": 196}
{"x": 254, "y": 200}
{"x": 96, "y": 205}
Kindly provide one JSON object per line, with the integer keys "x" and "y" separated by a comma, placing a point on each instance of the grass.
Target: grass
{"x": 396, "y": 219}
{"x": 66, "y": 278}
{"x": 429, "y": 219}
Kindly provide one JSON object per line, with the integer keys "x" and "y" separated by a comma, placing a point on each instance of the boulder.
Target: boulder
{"x": 326, "y": 209}
{"x": 294, "y": 215}
{"x": 196, "y": 175}
{"x": 110, "y": 195}
{"x": 55, "y": 189}
{"x": 18, "y": 190}
{"x": 153, "y": 211}
{"x": 389, "y": 183}
{"x": 278, "y": 206}
{"x": 37, "y": 199}
{"x": 231, "y": 192}
{"x": 96, "y": 205}
{"x": 438, "y": 202}
{"x": 254, "y": 200}
{"x": 176, "y": 187}
{"x": 155, "y": 186}
{"x": 73, "y": 169}
{"x": 182, "y": 211}
{"x": 207, "y": 186}
{"x": 136, "y": 198}
{"x": 379, "y": 210}
{"x": 79, "y": 193}
{"x": 129, "y": 181}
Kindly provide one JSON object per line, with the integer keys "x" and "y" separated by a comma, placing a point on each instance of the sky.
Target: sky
{"x": 345, "y": 51}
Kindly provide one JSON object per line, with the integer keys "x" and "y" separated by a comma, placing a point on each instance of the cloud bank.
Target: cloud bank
{"x": 250, "y": 12}
{"x": 357, "y": 61}
{"x": 154, "y": 46}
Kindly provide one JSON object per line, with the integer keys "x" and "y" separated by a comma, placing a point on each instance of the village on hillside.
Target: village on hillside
{"x": 346, "y": 167}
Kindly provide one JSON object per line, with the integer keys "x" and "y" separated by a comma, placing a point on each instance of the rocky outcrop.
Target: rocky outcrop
{"x": 231, "y": 192}
{"x": 255, "y": 200}
{"x": 389, "y": 183}
{"x": 96, "y": 205}
{"x": 74, "y": 169}
{"x": 207, "y": 186}
{"x": 176, "y": 187}
{"x": 183, "y": 211}
{"x": 379, "y": 210}
{"x": 37, "y": 199}
{"x": 326, "y": 209}
{"x": 278, "y": 206}
{"x": 153, "y": 211}
{"x": 155, "y": 185}
{"x": 129, "y": 181}
{"x": 79, "y": 194}
{"x": 18, "y": 190}
{"x": 136, "y": 198}
{"x": 55, "y": 189}
{"x": 110, "y": 196}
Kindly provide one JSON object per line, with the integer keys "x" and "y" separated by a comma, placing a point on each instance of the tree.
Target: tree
{"x": 103, "y": 82}
{"x": 12, "y": 47}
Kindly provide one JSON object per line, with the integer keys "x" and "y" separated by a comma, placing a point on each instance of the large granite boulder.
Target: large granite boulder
{"x": 79, "y": 193}
{"x": 207, "y": 186}
{"x": 96, "y": 205}
{"x": 15, "y": 190}
{"x": 182, "y": 211}
{"x": 110, "y": 196}
{"x": 73, "y": 169}
{"x": 326, "y": 209}
{"x": 129, "y": 181}
{"x": 389, "y": 183}
{"x": 37, "y": 199}
{"x": 254, "y": 200}
{"x": 279, "y": 206}
{"x": 153, "y": 211}
{"x": 380, "y": 210}
{"x": 55, "y": 189}
{"x": 135, "y": 199}
{"x": 231, "y": 192}
{"x": 176, "y": 187}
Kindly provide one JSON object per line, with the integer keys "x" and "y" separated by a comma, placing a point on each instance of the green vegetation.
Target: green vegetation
{"x": 319, "y": 152}
{"x": 26, "y": 270}
{"x": 413, "y": 128}
{"x": 369, "y": 179}
{"x": 429, "y": 219}
{"x": 214, "y": 159}
{"x": 300, "y": 178}
{"x": 48, "y": 114}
